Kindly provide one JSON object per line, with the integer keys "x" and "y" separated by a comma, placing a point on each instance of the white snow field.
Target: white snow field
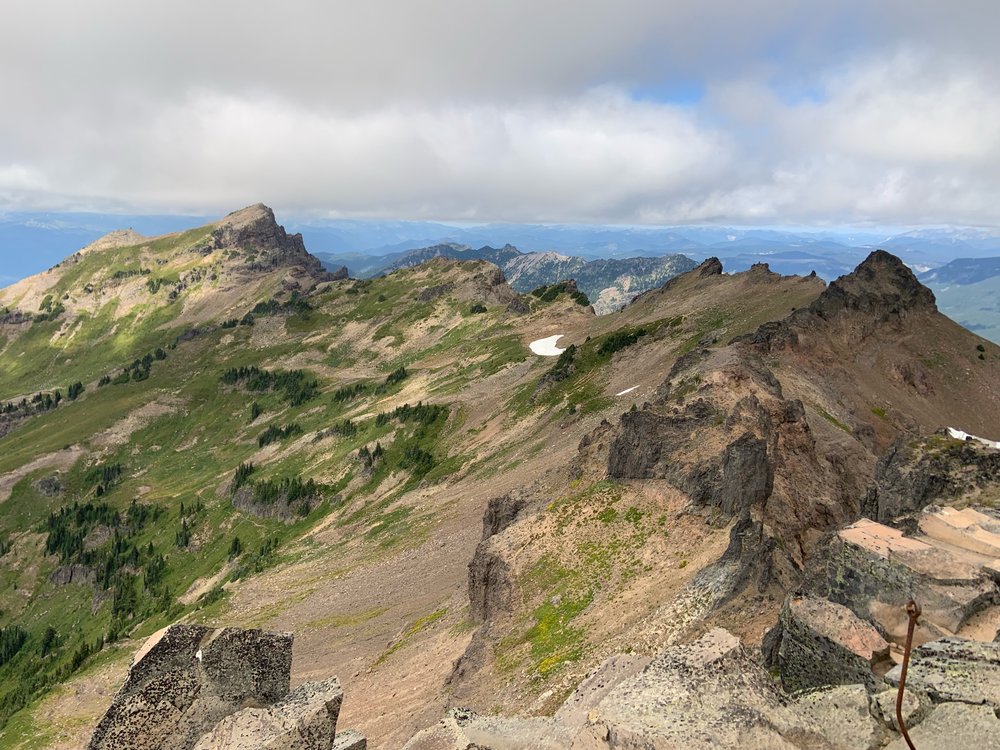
{"x": 960, "y": 435}
{"x": 547, "y": 347}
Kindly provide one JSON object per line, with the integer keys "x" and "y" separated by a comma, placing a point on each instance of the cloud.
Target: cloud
{"x": 450, "y": 109}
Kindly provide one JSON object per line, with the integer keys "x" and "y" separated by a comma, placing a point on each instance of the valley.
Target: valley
{"x": 454, "y": 490}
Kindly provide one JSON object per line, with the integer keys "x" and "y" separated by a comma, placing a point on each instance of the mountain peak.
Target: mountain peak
{"x": 249, "y": 215}
{"x": 254, "y": 231}
{"x": 882, "y": 285}
{"x": 709, "y": 267}
{"x": 117, "y": 238}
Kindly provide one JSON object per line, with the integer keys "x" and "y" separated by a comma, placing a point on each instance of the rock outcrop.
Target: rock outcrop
{"x": 822, "y": 643}
{"x": 713, "y": 694}
{"x": 881, "y": 291}
{"x": 192, "y": 687}
{"x": 263, "y": 243}
{"x": 916, "y": 472}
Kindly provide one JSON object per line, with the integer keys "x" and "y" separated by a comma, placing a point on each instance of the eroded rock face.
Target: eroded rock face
{"x": 193, "y": 687}
{"x": 254, "y": 232}
{"x": 721, "y": 430}
{"x": 917, "y": 472}
{"x": 823, "y": 643}
{"x": 303, "y": 720}
{"x": 190, "y": 679}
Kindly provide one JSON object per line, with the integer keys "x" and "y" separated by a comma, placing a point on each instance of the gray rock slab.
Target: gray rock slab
{"x": 306, "y": 719}
{"x": 954, "y": 669}
{"x": 955, "y": 726}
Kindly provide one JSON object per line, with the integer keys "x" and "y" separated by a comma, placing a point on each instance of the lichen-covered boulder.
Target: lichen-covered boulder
{"x": 186, "y": 679}
{"x": 305, "y": 719}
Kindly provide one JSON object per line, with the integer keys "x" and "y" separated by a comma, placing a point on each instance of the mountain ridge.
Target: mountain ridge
{"x": 384, "y": 467}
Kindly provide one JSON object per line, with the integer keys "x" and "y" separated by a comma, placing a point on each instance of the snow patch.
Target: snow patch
{"x": 960, "y": 435}
{"x": 547, "y": 347}
{"x": 627, "y": 390}
{"x": 198, "y": 655}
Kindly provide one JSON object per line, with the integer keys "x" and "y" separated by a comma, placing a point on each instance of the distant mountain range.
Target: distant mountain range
{"x": 31, "y": 242}
{"x": 968, "y": 292}
{"x": 608, "y": 282}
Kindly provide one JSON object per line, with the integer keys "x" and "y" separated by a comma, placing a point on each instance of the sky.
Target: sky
{"x": 860, "y": 112}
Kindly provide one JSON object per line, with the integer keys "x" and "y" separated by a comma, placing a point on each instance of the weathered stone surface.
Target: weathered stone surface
{"x": 839, "y": 717}
{"x": 66, "y": 574}
{"x": 187, "y": 680}
{"x": 339, "y": 274}
{"x": 823, "y": 643}
{"x": 915, "y": 473}
{"x": 597, "y": 685}
{"x": 255, "y": 232}
{"x": 195, "y": 688}
{"x": 951, "y": 726}
{"x": 350, "y": 739}
{"x": 874, "y": 569}
{"x": 306, "y": 719}
{"x": 954, "y": 669}
{"x": 915, "y": 707}
{"x": 707, "y": 694}
{"x": 491, "y": 583}
{"x": 501, "y": 512}
{"x": 464, "y": 730}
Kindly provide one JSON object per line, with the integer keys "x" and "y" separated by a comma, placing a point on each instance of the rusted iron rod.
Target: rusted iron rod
{"x": 913, "y": 610}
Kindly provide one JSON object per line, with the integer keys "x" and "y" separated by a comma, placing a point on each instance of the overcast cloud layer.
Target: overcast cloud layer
{"x": 628, "y": 111}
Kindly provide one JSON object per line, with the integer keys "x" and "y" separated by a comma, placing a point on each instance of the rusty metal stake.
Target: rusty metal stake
{"x": 913, "y": 610}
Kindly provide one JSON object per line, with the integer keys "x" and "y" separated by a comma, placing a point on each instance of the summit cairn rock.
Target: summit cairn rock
{"x": 197, "y": 688}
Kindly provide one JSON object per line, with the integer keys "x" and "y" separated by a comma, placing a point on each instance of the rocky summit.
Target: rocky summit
{"x": 489, "y": 510}
{"x": 194, "y": 687}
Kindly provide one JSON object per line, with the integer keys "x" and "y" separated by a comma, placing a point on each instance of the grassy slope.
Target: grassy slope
{"x": 476, "y": 364}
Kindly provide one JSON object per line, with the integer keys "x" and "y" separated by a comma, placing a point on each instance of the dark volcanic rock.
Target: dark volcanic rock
{"x": 882, "y": 287}
{"x": 915, "y": 473}
{"x": 882, "y": 290}
{"x": 501, "y": 512}
{"x": 254, "y": 232}
{"x": 648, "y": 443}
{"x": 491, "y": 583}
{"x": 709, "y": 267}
{"x": 66, "y": 574}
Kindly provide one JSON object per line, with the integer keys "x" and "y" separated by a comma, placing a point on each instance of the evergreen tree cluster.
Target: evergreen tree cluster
{"x": 619, "y": 340}
{"x": 563, "y": 367}
{"x": 103, "y": 477}
{"x": 547, "y": 293}
{"x": 135, "y": 372}
{"x": 129, "y": 273}
{"x": 257, "y": 561}
{"x": 421, "y": 413}
{"x": 274, "y": 433}
{"x": 349, "y": 392}
{"x": 49, "y": 310}
{"x": 37, "y": 404}
{"x": 12, "y": 638}
{"x": 368, "y": 457}
{"x": 294, "y": 385}
{"x": 296, "y": 305}
{"x": 396, "y": 376}
{"x": 242, "y": 476}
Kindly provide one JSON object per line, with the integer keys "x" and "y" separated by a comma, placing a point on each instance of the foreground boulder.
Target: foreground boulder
{"x": 823, "y": 643}
{"x": 192, "y": 687}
